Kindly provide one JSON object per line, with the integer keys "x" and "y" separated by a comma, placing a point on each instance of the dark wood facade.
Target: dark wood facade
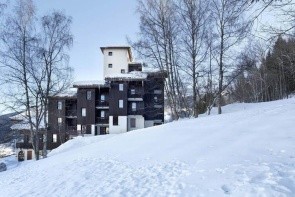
{"x": 154, "y": 98}
{"x": 88, "y": 104}
{"x": 88, "y": 110}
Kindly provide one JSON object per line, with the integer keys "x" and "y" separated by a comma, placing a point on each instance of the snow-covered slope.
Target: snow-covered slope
{"x": 247, "y": 151}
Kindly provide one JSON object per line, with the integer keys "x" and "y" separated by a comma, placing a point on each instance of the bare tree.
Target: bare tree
{"x": 193, "y": 21}
{"x": 18, "y": 57}
{"x": 159, "y": 45}
{"x": 56, "y": 39}
{"x": 35, "y": 65}
{"x": 231, "y": 29}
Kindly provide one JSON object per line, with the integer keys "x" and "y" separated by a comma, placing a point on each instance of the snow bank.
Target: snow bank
{"x": 6, "y": 150}
{"x": 247, "y": 151}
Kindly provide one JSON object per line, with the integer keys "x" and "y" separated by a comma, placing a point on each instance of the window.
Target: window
{"x": 115, "y": 120}
{"x": 132, "y": 91}
{"x": 132, "y": 122}
{"x": 121, "y": 87}
{"x": 78, "y": 127}
{"x": 158, "y": 106}
{"x": 59, "y": 105}
{"x": 122, "y": 70}
{"x": 102, "y": 114}
{"x": 29, "y": 139}
{"x": 54, "y": 138}
{"x": 120, "y": 103}
{"x": 83, "y": 112}
{"x": 133, "y": 106}
{"x": 21, "y": 138}
{"x": 59, "y": 120}
{"x": 110, "y": 53}
{"x": 156, "y": 99}
{"x": 102, "y": 97}
{"x": 88, "y": 95}
{"x": 110, "y": 65}
{"x": 157, "y": 91}
{"x": 84, "y": 128}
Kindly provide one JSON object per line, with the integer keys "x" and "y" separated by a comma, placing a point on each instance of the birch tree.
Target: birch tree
{"x": 55, "y": 40}
{"x": 158, "y": 44}
{"x": 193, "y": 21}
{"x": 230, "y": 29}
{"x": 18, "y": 58}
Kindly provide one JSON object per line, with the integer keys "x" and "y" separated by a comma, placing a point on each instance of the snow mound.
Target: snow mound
{"x": 247, "y": 151}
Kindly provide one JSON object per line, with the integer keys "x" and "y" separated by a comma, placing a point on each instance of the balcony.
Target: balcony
{"x": 137, "y": 111}
{"x": 71, "y": 130}
{"x": 71, "y": 114}
{"x": 102, "y": 120}
{"x": 25, "y": 145}
{"x": 102, "y": 104}
{"x": 135, "y": 94}
{"x": 157, "y": 91}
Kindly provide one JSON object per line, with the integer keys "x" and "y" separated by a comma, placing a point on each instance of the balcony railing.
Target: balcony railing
{"x": 71, "y": 113}
{"x": 102, "y": 120}
{"x": 137, "y": 111}
{"x": 135, "y": 94}
{"x": 25, "y": 145}
{"x": 102, "y": 104}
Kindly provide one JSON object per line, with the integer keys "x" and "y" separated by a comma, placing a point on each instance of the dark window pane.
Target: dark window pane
{"x": 115, "y": 120}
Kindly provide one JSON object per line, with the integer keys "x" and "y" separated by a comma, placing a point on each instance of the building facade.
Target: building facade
{"x": 127, "y": 99}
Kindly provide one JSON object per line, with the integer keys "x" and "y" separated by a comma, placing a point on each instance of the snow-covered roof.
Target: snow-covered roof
{"x": 90, "y": 84}
{"x": 133, "y": 75}
{"x": 25, "y": 125}
{"x": 70, "y": 93}
{"x": 23, "y": 121}
{"x": 132, "y": 63}
{"x": 150, "y": 69}
{"x": 20, "y": 116}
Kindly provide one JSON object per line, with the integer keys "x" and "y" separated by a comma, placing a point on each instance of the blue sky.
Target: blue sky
{"x": 96, "y": 23}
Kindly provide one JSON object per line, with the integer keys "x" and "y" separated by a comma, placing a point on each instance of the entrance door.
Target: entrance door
{"x": 95, "y": 131}
{"x": 103, "y": 130}
{"x": 21, "y": 156}
{"x": 29, "y": 155}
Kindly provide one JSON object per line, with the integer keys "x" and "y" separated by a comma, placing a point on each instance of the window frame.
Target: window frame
{"x": 102, "y": 97}
{"x": 133, "y": 106}
{"x": 102, "y": 114}
{"x": 110, "y": 53}
{"x": 121, "y": 87}
{"x": 59, "y": 120}
{"x": 115, "y": 120}
{"x": 88, "y": 95}
{"x": 132, "y": 122}
{"x": 54, "y": 138}
{"x": 110, "y": 65}
{"x": 83, "y": 109}
{"x": 121, "y": 104}
{"x": 132, "y": 91}
{"x": 59, "y": 105}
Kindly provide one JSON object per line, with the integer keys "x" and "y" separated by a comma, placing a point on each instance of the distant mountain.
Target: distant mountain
{"x": 5, "y": 124}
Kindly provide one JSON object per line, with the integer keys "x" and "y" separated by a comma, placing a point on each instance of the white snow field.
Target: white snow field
{"x": 247, "y": 151}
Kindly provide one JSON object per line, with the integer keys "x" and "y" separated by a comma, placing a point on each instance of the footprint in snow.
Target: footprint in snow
{"x": 226, "y": 189}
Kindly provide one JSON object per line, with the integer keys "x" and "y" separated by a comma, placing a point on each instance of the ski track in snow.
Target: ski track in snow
{"x": 247, "y": 151}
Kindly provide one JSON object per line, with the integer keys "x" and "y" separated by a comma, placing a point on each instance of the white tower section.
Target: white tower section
{"x": 115, "y": 60}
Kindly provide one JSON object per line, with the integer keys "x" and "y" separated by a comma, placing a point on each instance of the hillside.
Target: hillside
{"x": 5, "y": 124}
{"x": 248, "y": 150}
